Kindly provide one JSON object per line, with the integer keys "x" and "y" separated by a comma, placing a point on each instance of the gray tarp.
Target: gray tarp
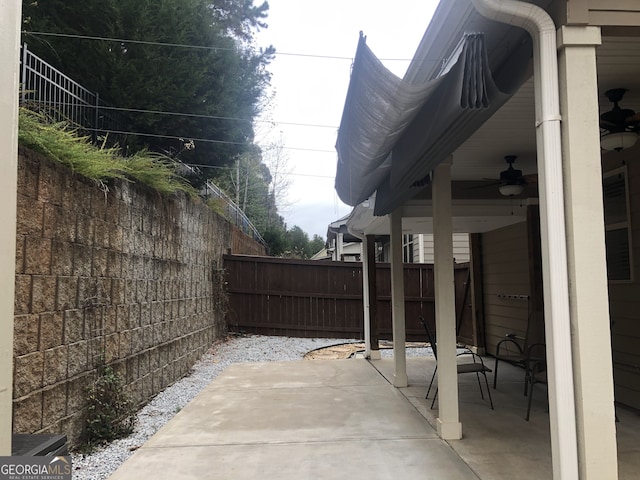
{"x": 393, "y": 134}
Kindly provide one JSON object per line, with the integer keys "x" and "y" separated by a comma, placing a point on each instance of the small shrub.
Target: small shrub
{"x": 110, "y": 414}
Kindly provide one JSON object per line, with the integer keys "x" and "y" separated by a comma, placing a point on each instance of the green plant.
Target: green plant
{"x": 58, "y": 141}
{"x": 218, "y": 206}
{"x": 157, "y": 172}
{"x": 110, "y": 411}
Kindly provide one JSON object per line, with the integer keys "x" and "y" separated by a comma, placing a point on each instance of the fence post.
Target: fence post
{"x": 23, "y": 83}
{"x": 94, "y": 135}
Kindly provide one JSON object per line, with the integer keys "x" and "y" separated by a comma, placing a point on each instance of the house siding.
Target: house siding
{"x": 624, "y": 297}
{"x": 505, "y": 272}
{"x": 460, "y": 248}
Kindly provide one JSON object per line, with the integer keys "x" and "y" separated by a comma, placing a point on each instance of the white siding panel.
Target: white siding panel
{"x": 461, "y": 252}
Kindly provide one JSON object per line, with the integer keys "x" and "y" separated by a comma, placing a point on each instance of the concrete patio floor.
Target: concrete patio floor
{"x": 499, "y": 444}
{"x": 327, "y": 419}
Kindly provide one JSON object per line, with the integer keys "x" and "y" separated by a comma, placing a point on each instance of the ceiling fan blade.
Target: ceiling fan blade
{"x": 633, "y": 118}
{"x": 485, "y": 183}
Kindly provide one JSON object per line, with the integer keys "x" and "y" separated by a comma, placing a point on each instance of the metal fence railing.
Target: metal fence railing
{"x": 234, "y": 213}
{"x": 47, "y": 90}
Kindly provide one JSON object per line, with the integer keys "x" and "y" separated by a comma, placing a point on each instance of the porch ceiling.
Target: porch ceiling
{"x": 511, "y": 130}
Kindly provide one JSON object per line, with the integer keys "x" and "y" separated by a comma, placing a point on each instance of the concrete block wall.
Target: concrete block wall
{"x": 114, "y": 271}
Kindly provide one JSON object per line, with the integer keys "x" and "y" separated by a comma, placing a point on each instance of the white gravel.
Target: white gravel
{"x": 254, "y": 348}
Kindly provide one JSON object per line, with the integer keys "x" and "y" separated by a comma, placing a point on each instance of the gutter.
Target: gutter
{"x": 562, "y": 414}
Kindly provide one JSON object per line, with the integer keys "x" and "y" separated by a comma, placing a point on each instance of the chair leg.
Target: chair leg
{"x": 433, "y": 402}
{"x": 488, "y": 390}
{"x": 532, "y": 383}
{"x": 479, "y": 384}
{"x": 431, "y": 382}
{"x": 495, "y": 374}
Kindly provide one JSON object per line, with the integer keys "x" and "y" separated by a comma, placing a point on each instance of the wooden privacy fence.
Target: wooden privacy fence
{"x": 306, "y": 298}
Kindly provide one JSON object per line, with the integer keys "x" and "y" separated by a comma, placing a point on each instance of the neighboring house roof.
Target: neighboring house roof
{"x": 340, "y": 227}
{"x": 323, "y": 254}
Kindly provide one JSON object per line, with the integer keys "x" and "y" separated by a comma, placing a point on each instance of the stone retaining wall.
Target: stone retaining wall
{"x": 111, "y": 271}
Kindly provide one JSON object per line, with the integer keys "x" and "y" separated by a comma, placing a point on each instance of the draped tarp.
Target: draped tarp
{"x": 393, "y": 133}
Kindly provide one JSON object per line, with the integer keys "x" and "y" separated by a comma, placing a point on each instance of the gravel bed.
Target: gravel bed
{"x": 410, "y": 352}
{"x": 104, "y": 461}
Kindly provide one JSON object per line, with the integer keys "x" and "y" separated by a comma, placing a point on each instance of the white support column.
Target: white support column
{"x": 449, "y": 426}
{"x": 397, "y": 302}
{"x": 9, "y": 77}
{"x": 366, "y": 300}
{"x": 584, "y": 218}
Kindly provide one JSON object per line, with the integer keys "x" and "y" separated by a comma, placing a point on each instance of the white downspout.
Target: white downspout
{"x": 552, "y": 222}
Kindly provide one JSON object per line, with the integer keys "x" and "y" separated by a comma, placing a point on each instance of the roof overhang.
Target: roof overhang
{"x": 469, "y": 216}
{"x": 511, "y": 129}
{"x": 395, "y": 156}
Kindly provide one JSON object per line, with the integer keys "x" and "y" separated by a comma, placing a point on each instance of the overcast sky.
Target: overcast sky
{"x": 310, "y": 84}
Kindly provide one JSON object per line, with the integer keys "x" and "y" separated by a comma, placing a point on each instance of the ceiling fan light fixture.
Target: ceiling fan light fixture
{"x": 508, "y": 190}
{"x": 618, "y": 141}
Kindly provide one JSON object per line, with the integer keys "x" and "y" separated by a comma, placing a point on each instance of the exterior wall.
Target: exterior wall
{"x": 460, "y": 248}
{"x": 351, "y": 252}
{"x": 596, "y": 12}
{"x": 624, "y": 297}
{"x": 505, "y": 256}
{"x": 119, "y": 272}
{"x": 505, "y": 272}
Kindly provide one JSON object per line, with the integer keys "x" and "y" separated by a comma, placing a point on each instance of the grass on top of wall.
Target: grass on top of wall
{"x": 58, "y": 141}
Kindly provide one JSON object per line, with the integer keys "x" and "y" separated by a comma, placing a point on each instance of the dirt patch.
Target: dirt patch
{"x": 348, "y": 350}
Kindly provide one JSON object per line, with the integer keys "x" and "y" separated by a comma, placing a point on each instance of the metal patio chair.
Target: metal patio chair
{"x": 517, "y": 350}
{"x": 537, "y": 374}
{"x": 476, "y": 366}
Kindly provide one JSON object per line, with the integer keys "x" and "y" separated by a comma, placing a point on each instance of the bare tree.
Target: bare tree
{"x": 277, "y": 161}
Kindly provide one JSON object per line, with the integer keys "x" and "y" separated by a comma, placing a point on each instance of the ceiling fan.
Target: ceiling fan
{"x": 512, "y": 182}
{"x": 620, "y": 126}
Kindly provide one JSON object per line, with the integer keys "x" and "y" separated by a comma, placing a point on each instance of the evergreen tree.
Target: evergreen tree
{"x": 316, "y": 244}
{"x": 298, "y": 242}
{"x": 225, "y": 79}
{"x": 145, "y": 62}
{"x": 276, "y": 238}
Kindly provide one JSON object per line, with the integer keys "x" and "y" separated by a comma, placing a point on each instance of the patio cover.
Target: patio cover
{"x": 394, "y": 133}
